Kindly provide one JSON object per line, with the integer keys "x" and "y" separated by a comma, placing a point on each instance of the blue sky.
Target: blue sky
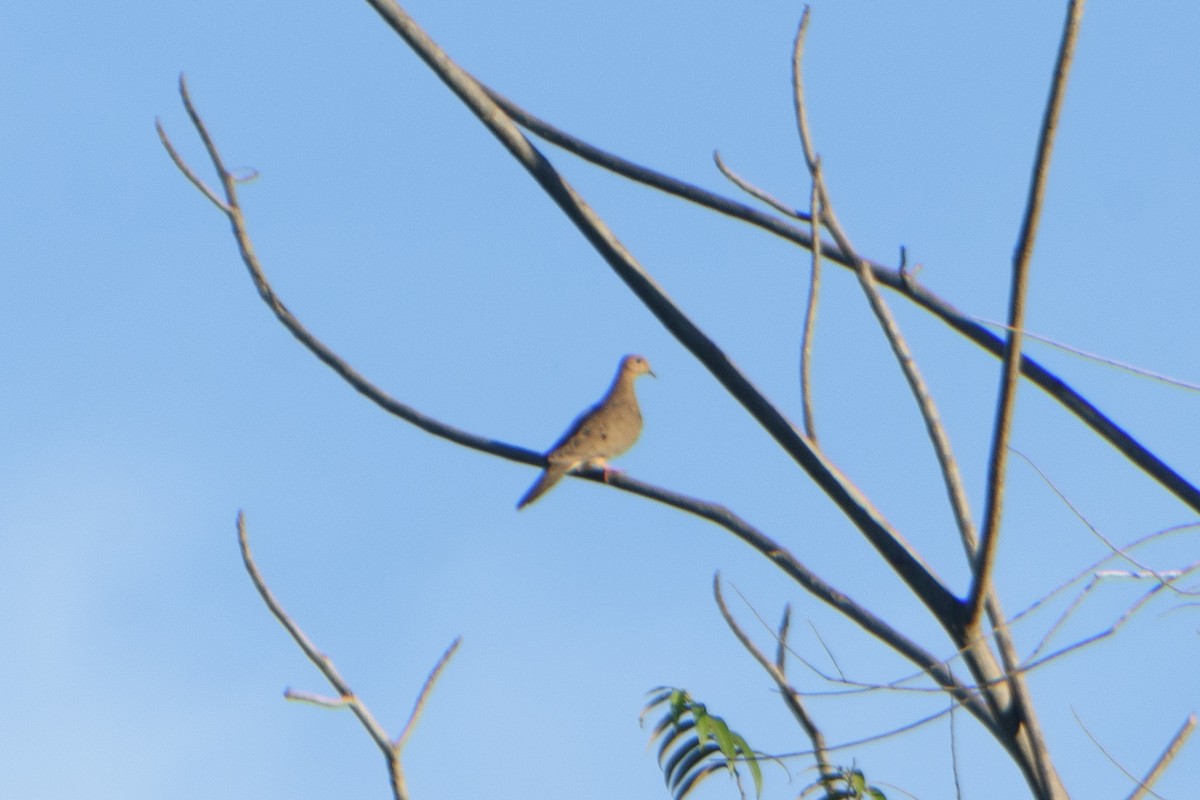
{"x": 149, "y": 394}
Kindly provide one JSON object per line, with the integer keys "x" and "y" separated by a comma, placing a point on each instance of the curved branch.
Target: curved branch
{"x": 938, "y": 437}
{"x": 791, "y": 697}
{"x": 392, "y": 749}
{"x": 852, "y": 503}
{"x": 904, "y": 284}
{"x": 231, "y": 207}
{"x": 713, "y": 512}
{"x": 1005, "y": 407}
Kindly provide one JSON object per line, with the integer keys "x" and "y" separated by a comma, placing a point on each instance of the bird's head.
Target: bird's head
{"x": 637, "y": 365}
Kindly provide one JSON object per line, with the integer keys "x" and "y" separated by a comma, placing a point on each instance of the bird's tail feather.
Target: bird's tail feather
{"x": 550, "y": 476}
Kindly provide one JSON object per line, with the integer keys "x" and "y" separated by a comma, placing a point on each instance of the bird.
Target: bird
{"x": 604, "y": 431}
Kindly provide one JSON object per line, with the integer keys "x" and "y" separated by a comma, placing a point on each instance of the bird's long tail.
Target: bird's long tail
{"x": 550, "y": 476}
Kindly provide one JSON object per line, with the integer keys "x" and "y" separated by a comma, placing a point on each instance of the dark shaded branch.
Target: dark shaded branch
{"x": 905, "y": 285}
{"x": 711, "y": 511}
{"x": 853, "y": 504}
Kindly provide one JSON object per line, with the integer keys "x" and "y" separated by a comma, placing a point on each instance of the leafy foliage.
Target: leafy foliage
{"x": 694, "y": 744}
{"x": 848, "y": 783}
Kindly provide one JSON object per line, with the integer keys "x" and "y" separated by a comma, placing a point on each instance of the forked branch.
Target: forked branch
{"x": 716, "y": 513}
{"x": 392, "y": 749}
{"x": 895, "y": 279}
{"x": 791, "y": 697}
{"x": 986, "y": 557}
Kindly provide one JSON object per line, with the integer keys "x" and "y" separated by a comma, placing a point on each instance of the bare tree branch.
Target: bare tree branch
{"x": 848, "y": 498}
{"x": 713, "y": 512}
{"x": 887, "y": 321}
{"x": 1112, "y": 759}
{"x": 1120, "y": 621}
{"x": 810, "y": 310}
{"x": 980, "y": 594}
{"x": 426, "y": 690}
{"x": 901, "y": 282}
{"x": 1010, "y": 719}
{"x": 1117, "y": 551}
{"x": 954, "y": 770}
{"x": 1168, "y": 755}
{"x": 1124, "y": 366}
{"x": 875, "y": 737}
{"x": 986, "y": 557}
{"x": 231, "y": 207}
{"x": 814, "y": 285}
{"x": 1091, "y": 568}
{"x": 391, "y": 750}
{"x": 791, "y": 697}
{"x": 757, "y": 192}
{"x": 1010, "y": 702}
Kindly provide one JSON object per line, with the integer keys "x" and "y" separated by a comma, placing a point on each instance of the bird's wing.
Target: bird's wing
{"x": 578, "y": 437}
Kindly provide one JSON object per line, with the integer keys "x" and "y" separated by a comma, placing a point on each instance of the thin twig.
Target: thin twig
{"x": 810, "y": 310}
{"x": 426, "y": 690}
{"x": 1125, "y": 617}
{"x": 875, "y": 737}
{"x": 828, "y": 652}
{"x": 322, "y": 662}
{"x": 1124, "y": 366}
{"x": 887, "y": 322}
{"x": 315, "y": 699}
{"x": 1168, "y": 755}
{"x": 1057, "y": 625}
{"x": 791, "y": 697}
{"x": 954, "y": 757}
{"x": 756, "y": 192}
{"x": 1112, "y": 759}
{"x": 1088, "y": 523}
{"x": 182, "y": 165}
{"x": 1091, "y": 568}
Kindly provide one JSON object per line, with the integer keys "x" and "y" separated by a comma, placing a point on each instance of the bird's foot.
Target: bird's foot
{"x": 609, "y": 471}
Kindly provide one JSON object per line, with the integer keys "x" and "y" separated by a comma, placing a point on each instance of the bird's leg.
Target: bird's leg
{"x": 603, "y": 464}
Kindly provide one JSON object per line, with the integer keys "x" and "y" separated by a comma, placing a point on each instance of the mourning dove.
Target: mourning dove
{"x": 604, "y": 431}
